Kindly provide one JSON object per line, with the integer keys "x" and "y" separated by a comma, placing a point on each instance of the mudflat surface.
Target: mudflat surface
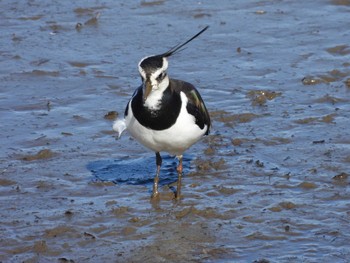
{"x": 271, "y": 182}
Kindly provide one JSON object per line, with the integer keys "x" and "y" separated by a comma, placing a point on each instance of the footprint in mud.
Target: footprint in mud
{"x": 139, "y": 171}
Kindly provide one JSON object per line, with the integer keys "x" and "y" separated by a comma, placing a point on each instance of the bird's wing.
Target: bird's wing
{"x": 195, "y": 105}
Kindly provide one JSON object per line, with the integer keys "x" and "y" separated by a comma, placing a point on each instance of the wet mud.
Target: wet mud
{"x": 269, "y": 184}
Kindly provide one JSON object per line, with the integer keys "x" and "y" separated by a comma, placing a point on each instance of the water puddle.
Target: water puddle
{"x": 137, "y": 171}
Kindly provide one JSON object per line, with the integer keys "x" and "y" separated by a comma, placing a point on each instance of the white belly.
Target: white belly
{"x": 174, "y": 140}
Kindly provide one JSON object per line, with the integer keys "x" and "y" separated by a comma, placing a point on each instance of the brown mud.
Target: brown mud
{"x": 269, "y": 184}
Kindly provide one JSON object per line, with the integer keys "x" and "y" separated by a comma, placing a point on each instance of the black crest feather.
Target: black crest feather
{"x": 176, "y": 48}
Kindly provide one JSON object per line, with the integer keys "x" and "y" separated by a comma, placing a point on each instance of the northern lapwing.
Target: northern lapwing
{"x": 164, "y": 114}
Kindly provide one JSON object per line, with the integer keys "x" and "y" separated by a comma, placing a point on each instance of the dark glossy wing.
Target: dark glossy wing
{"x": 195, "y": 105}
{"x": 138, "y": 90}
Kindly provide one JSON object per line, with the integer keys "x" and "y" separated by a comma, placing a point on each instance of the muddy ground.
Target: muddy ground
{"x": 269, "y": 184}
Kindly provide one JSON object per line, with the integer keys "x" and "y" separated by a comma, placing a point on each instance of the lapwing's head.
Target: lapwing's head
{"x": 153, "y": 74}
{"x": 153, "y": 69}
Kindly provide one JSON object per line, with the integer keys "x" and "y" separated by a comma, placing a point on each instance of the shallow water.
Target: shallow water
{"x": 138, "y": 171}
{"x": 270, "y": 182}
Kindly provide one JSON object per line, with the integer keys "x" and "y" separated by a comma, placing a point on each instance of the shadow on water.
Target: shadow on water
{"x": 137, "y": 171}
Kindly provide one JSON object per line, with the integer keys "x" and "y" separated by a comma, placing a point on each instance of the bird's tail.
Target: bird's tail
{"x": 119, "y": 126}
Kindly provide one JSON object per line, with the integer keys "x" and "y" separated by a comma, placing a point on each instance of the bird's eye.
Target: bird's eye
{"x": 161, "y": 76}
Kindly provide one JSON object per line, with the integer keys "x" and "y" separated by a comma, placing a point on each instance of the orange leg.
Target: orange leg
{"x": 179, "y": 174}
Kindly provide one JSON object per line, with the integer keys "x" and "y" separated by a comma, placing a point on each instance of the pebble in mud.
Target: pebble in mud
{"x": 78, "y": 26}
{"x": 260, "y": 97}
{"x": 89, "y": 22}
{"x": 341, "y": 176}
{"x": 309, "y": 80}
{"x": 111, "y": 115}
{"x": 261, "y": 261}
{"x": 287, "y": 228}
{"x": 341, "y": 179}
{"x": 65, "y": 260}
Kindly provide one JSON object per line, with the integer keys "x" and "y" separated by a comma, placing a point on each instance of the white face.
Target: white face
{"x": 155, "y": 81}
{"x": 158, "y": 78}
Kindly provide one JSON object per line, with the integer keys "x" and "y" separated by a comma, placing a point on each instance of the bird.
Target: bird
{"x": 165, "y": 114}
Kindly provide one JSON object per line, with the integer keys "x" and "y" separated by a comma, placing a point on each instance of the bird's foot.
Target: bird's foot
{"x": 177, "y": 196}
{"x": 155, "y": 195}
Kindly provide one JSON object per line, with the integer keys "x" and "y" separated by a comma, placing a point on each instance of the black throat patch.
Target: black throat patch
{"x": 162, "y": 118}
